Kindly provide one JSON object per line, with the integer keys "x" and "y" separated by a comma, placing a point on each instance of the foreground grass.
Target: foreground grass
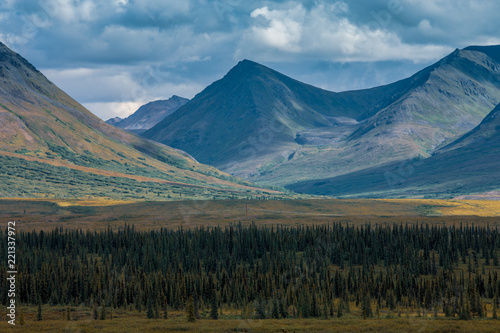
{"x": 133, "y": 321}
{"x": 286, "y": 325}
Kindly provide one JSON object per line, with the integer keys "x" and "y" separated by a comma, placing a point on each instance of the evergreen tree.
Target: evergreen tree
{"x": 191, "y": 317}
{"x": 150, "y": 314}
{"x": 275, "y": 312}
{"x": 103, "y": 313}
{"x": 283, "y": 310}
{"x": 339, "y": 309}
{"x": 165, "y": 308}
{"x": 446, "y": 308}
{"x": 39, "y": 313}
{"x": 314, "y": 305}
{"x": 260, "y": 310}
{"x": 214, "y": 310}
{"x": 157, "y": 311}
{"x": 366, "y": 307}
{"x": 347, "y": 306}
{"x": 197, "y": 308}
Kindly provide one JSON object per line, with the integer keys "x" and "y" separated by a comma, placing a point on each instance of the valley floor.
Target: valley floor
{"x": 47, "y": 214}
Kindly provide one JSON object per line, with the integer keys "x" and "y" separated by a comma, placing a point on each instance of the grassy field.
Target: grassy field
{"x": 101, "y": 214}
{"x": 81, "y": 321}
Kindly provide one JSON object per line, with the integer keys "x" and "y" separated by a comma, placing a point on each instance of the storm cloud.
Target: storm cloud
{"x": 114, "y": 55}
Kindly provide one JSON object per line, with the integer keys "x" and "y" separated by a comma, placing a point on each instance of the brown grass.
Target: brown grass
{"x": 136, "y": 322}
{"x": 98, "y": 215}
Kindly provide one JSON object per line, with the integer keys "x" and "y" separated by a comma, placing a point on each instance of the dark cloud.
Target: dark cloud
{"x": 157, "y": 48}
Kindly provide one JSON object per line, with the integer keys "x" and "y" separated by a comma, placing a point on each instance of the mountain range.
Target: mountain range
{"x": 149, "y": 115}
{"x": 51, "y": 146}
{"x": 434, "y": 134}
{"x": 259, "y": 124}
{"x": 468, "y": 165}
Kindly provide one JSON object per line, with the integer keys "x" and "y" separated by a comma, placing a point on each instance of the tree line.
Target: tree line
{"x": 265, "y": 272}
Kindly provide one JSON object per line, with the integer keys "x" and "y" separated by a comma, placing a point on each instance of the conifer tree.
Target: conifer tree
{"x": 39, "y": 316}
{"x": 283, "y": 310}
{"x": 150, "y": 314}
{"x": 275, "y": 311}
{"x": 314, "y": 305}
{"x": 214, "y": 310}
{"x": 339, "y": 309}
{"x": 197, "y": 307}
{"x": 366, "y": 307}
{"x": 191, "y": 317}
{"x": 347, "y": 306}
{"x": 103, "y": 313}
{"x": 156, "y": 311}
{"x": 260, "y": 310}
{"x": 165, "y": 308}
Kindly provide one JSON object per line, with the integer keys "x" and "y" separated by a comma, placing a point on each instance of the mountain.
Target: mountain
{"x": 50, "y": 145}
{"x": 114, "y": 121}
{"x": 149, "y": 115}
{"x": 266, "y": 127}
{"x": 469, "y": 165}
{"x": 257, "y": 113}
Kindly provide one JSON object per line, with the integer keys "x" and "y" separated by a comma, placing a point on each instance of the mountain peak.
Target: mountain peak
{"x": 247, "y": 67}
{"x": 492, "y": 51}
{"x": 149, "y": 114}
{"x": 246, "y": 62}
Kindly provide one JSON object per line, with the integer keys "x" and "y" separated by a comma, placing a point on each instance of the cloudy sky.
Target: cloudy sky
{"x": 115, "y": 55}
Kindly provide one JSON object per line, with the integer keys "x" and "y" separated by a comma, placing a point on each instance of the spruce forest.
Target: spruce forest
{"x": 324, "y": 271}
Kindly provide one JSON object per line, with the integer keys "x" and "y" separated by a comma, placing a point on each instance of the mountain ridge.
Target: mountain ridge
{"x": 277, "y": 130}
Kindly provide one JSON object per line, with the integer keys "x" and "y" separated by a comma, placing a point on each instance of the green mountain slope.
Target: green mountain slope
{"x": 42, "y": 127}
{"x": 471, "y": 164}
{"x": 266, "y": 127}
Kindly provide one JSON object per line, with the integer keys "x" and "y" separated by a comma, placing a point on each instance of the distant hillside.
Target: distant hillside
{"x": 469, "y": 165}
{"x": 266, "y": 127}
{"x": 114, "y": 121}
{"x": 149, "y": 114}
{"x": 50, "y": 145}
